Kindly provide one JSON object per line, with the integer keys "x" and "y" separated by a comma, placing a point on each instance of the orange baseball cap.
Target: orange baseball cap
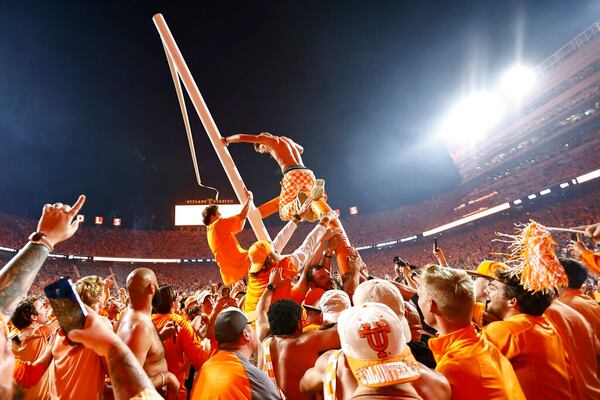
{"x": 487, "y": 269}
{"x": 258, "y": 253}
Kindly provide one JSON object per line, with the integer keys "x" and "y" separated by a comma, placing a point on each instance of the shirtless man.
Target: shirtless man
{"x": 138, "y": 332}
{"x": 288, "y": 353}
{"x": 296, "y": 177}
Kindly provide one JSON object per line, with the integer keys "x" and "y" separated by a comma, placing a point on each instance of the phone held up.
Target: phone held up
{"x": 67, "y": 305}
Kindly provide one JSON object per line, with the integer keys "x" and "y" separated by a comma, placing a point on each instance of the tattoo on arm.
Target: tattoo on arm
{"x": 17, "y": 276}
{"x": 127, "y": 375}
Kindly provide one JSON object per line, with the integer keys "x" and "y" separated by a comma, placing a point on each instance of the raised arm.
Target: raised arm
{"x": 244, "y": 138}
{"x": 244, "y": 213}
{"x": 56, "y": 225}
{"x": 263, "y": 329}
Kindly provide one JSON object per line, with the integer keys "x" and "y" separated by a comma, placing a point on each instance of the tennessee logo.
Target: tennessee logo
{"x": 376, "y": 337}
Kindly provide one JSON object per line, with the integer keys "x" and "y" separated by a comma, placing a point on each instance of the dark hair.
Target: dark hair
{"x": 576, "y": 272}
{"x": 284, "y": 316}
{"x": 311, "y": 270}
{"x": 209, "y": 212}
{"x": 532, "y": 303}
{"x": 21, "y": 317}
{"x": 163, "y": 298}
{"x": 193, "y": 312}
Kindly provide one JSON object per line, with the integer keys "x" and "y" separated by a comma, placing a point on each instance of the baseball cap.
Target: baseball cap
{"x": 258, "y": 253}
{"x": 487, "y": 269}
{"x": 332, "y": 303}
{"x": 383, "y": 291}
{"x": 375, "y": 347}
{"x": 190, "y": 300}
{"x": 202, "y": 296}
{"x": 312, "y": 299}
{"x": 231, "y": 323}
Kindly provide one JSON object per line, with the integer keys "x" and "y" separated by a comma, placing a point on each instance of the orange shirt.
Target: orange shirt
{"x": 584, "y": 305}
{"x": 474, "y": 367}
{"x": 181, "y": 349}
{"x": 26, "y": 374}
{"x": 79, "y": 372}
{"x": 591, "y": 260}
{"x": 582, "y": 346}
{"x": 257, "y": 283}
{"x": 229, "y": 376}
{"x": 478, "y": 310}
{"x": 536, "y": 353}
{"x": 30, "y": 350}
{"x": 231, "y": 258}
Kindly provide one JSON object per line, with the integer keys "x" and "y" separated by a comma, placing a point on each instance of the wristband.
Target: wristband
{"x": 271, "y": 287}
{"x": 40, "y": 238}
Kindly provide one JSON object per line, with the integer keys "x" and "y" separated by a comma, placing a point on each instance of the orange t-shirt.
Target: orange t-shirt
{"x": 79, "y": 372}
{"x": 582, "y": 346}
{"x": 26, "y": 374}
{"x": 474, "y": 367}
{"x": 231, "y": 258}
{"x": 584, "y": 305}
{"x": 536, "y": 353}
{"x": 229, "y": 376}
{"x": 30, "y": 350}
{"x": 181, "y": 349}
{"x": 478, "y": 310}
{"x": 257, "y": 284}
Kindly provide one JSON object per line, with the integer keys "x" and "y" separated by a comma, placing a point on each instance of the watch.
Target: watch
{"x": 40, "y": 238}
{"x": 271, "y": 287}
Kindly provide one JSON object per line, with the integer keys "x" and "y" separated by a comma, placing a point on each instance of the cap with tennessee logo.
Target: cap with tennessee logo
{"x": 487, "y": 269}
{"x": 374, "y": 345}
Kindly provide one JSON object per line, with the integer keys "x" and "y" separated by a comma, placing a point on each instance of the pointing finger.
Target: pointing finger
{"x": 77, "y": 206}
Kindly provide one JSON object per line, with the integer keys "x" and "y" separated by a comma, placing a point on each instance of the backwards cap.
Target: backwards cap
{"x": 374, "y": 345}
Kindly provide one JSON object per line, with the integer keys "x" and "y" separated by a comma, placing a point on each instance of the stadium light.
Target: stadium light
{"x": 589, "y": 176}
{"x": 564, "y": 185}
{"x": 517, "y": 81}
{"x": 545, "y": 192}
{"x": 473, "y": 217}
{"x": 391, "y": 242}
{"x": 531, "y": 196}
{"x": 406, "y": 239}
{"x": 138, "y": 260}
{"x": 517, "y": 201}
{"x": 473, "y": 117}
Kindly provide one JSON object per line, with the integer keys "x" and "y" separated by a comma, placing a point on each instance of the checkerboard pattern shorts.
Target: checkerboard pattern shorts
{"x": 293, "y": 182}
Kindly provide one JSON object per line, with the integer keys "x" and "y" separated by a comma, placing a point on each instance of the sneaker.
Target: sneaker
{"x": 304, "y": 209}
{"x": 318, "y": 189}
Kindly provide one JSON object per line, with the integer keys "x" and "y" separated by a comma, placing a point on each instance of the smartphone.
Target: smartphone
{"x": 574, "y": 236}
{"x": 435, "y": 244}
{"x": 67, "y": 305}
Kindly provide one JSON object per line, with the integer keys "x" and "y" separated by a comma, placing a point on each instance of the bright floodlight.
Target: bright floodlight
{"x": 473, "y": 117}
{"x": 517, "y": 81}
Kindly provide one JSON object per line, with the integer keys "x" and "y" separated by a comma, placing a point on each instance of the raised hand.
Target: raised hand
{"x": 276, "y": 277}
{"x": 58, "y": 221}
{"x": 591, "y": 231}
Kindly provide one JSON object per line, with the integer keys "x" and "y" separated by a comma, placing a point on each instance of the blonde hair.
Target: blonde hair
{"x": 89, "y": 289}
{"x": 452, "y": 291}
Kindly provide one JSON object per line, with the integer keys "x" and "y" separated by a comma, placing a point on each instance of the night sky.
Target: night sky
{"x": 87, "y": 104}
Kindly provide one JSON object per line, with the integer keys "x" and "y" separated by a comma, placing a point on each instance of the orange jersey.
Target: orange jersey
{"x": 478, "y": 310}
{"x": 257, "y": 284}
{"x": 29, "y": 351}
{"x": 474, "y": 367}
{"x": 582, "y": 346}
{"x": 181, "y": 349}
{"x": 229, "y": 376}
{"x": 231, "y": 258}
{"x": 537, "y": 355}
{"x": 79, "y": 372}
{"x": 584, "y": 305}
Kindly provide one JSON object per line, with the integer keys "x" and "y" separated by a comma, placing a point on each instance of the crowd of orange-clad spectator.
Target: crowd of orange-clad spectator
{"x": 464, "y": 246}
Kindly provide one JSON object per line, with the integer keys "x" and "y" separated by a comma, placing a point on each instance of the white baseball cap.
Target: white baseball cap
{"x": 374, "y": 344}
{"x": 332, "y": 303}
{"x": 383, "y": 291}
